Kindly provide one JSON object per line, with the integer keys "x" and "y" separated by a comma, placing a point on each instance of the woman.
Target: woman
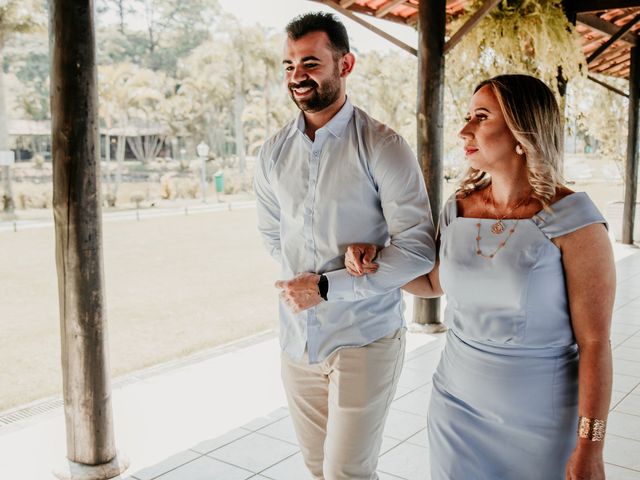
{"x": 529, "y": 275}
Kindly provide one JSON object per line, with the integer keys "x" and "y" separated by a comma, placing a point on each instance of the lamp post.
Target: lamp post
{"x": 7, "y": 159}
{"x": 203, "y": 152}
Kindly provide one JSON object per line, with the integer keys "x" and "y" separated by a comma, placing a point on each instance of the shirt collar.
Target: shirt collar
{"x": 335, "y": 126}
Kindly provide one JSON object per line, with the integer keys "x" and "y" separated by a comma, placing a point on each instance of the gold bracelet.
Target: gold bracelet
{"x": 591, "y": 428}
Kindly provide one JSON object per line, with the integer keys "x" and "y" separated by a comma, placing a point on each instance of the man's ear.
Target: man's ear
{"x": 346, "y": 64}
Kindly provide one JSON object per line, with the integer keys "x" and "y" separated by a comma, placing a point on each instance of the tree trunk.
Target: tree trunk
{"x": 120, "y": 150}
{"x": 267, "y": 103}
{"x": 7, "y": 197}
{"x": 107, "y": 159}
{"x": 121, "y": 16}
{"x": 78, "y": 231}
{"x": 238, "y": 110}
{"x": 431, "y": 30}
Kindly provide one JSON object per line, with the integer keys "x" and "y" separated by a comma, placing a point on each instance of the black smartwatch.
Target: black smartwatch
{"x": 323, "y": 286}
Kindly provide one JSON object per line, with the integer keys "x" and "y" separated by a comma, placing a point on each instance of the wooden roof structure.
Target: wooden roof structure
{"x": 608, "y": 28}
{"x": 598, "y": 27}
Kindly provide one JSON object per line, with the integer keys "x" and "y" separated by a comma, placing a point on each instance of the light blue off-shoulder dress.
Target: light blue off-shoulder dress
{"x": 504, "y": 403}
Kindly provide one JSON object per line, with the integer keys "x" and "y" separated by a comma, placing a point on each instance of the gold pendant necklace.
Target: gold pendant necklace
{"x": 498, "y": 227}
{"x": 502, "y": 243}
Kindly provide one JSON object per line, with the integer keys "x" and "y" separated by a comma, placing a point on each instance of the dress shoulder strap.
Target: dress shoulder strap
{"x": 568, "y": 214}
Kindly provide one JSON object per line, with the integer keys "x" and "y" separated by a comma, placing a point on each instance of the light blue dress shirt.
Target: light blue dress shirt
{"x": 358, "y": 181}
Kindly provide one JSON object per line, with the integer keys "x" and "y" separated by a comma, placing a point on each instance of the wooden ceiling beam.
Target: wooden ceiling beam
{"x": 347, "y": 3}
{"x": 357, "y": 8}
{"x": 598, "y": 5}
{"x": 617, "y": 68}
{"x": 614, "y": 55}
{"x": 589, "y": 47}
{"x": 386, "y": 8}
{"x": 612, "y": 59}
{"x": 472, "y": 22}
{"x": 600, "y": 64}
{"x": 618, "y": 16}
{"x": 621, "y": 31}
{"x": 596, "y": 23}
{"x": 613, "y": 50}
{"x": 609, "y": 68}
{"x": 349, "y": 13}
{"x": 607, "y": 86}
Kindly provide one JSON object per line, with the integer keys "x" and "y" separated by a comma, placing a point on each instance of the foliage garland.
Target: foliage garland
{"x": 517, "y": 36}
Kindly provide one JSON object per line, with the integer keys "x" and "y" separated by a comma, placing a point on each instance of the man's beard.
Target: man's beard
{"x": 320, "y": 98}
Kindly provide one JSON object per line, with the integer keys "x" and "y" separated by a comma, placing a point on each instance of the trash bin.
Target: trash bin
{"x": 219, "y": 176}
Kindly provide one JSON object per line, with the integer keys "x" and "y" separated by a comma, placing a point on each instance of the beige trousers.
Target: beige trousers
{"x": 339, "y": 406}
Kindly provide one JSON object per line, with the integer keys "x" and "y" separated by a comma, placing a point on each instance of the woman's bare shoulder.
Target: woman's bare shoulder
{"x": 561, "y": 192}
{"x": 470, "y": 204}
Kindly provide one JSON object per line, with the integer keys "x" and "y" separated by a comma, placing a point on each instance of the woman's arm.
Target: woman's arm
{"x": 426, "y": 286}
{"x": 359, "y": 260}
{"x": 589, "y": 268}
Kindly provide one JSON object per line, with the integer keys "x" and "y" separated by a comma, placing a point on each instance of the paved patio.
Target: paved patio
{"x": 221, "y": 415}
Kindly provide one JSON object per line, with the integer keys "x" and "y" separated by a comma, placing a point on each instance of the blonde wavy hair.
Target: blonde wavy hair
{"x": 531, "y": 113}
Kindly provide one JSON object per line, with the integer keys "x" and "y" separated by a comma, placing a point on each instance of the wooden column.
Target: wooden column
{"x": 633, "y": 150}
{"x": 78, "y": 230}
{"x": 430, "y": 123}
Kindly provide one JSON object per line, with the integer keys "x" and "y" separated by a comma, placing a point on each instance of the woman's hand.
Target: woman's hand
{"x": 359, "y": 259}
{"x": 586, "y": 463}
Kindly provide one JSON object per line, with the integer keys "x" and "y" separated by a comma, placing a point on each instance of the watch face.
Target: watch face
{"x": 323, "y": 286}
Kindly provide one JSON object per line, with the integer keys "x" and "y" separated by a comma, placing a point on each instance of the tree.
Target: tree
{"x": 132, "y": 97}
{"x": 241, "y": 72}
{"x": 602, "y": 115}
{"x": 170, "y": 30}
{"x": 200, "y": 107}
{"x": 390, "y": 93}
{"x": 268, "y": 107}
{"x": 122, "y": 8}
{"x": 28, "y": 58}
{"x": 225, "y": 89}
{"x": 16, "y": 16}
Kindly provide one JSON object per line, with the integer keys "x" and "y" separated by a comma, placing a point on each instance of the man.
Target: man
{"x": 332, "y": 177}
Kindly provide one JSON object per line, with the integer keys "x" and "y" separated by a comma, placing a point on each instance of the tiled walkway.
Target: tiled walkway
{"x": 172, "y": 422}
{"x": 266, "y": 448}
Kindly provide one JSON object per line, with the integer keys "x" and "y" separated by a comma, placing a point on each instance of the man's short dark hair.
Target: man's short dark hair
{"x": 320, "y": 22}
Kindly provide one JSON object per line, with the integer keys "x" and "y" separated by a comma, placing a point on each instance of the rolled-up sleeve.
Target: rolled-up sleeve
{"x": 267, "y": 205}
{"x": 405, "y": 206}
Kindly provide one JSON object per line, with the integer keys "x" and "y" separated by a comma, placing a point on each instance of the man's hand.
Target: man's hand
{"x": 359, "y": 259}
{"x": 301, "y": 292}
